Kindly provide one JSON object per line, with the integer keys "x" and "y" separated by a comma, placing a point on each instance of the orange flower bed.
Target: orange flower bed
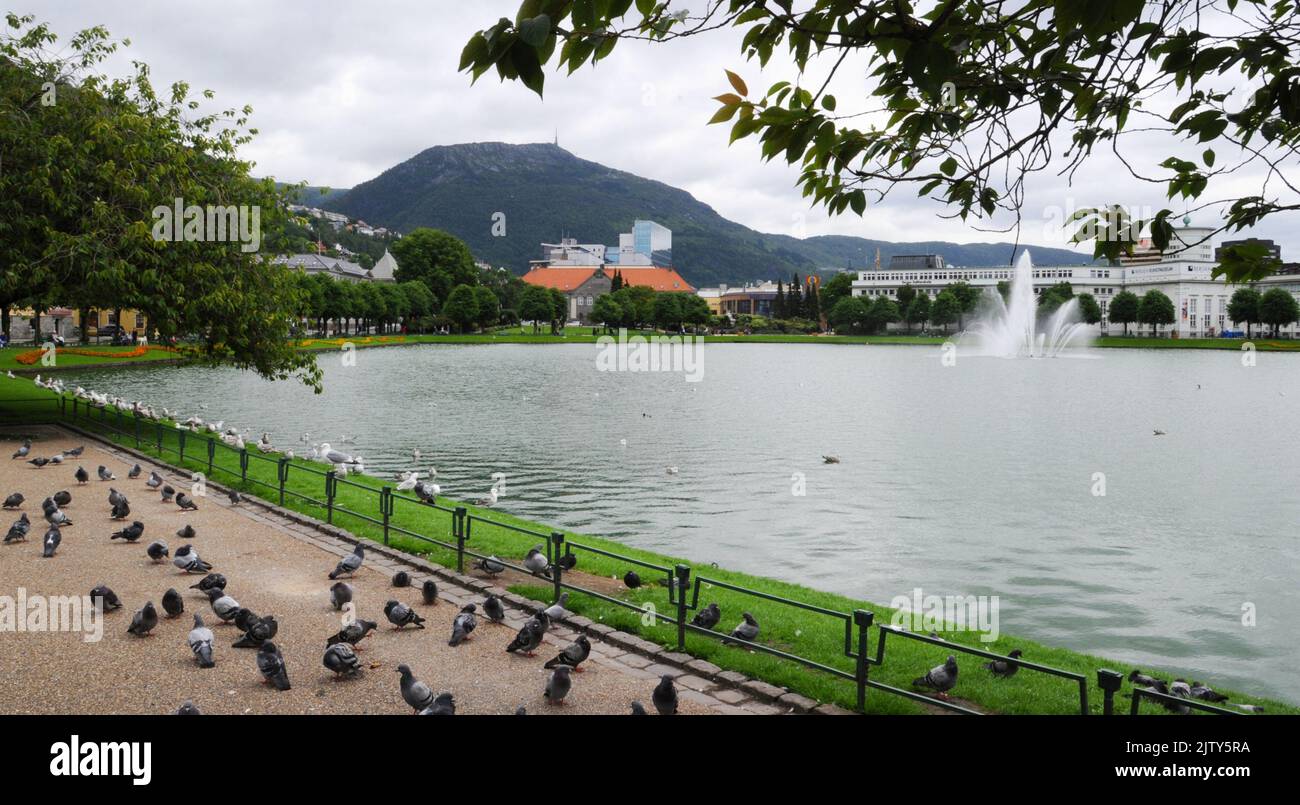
{"x": 338, "y": 342}
{"x": 32, "y": 356}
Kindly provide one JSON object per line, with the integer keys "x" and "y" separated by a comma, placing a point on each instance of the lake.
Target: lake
{"x": 972, "y": 479}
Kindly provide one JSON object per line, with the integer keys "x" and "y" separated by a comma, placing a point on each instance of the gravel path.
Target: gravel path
{"x": 274, "y": 568}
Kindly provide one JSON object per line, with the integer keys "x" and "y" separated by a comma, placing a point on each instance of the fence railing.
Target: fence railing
{"x": 856, "y": 625}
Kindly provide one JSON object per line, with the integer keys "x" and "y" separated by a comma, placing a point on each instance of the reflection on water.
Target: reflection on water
{"x": 973, "y": 479}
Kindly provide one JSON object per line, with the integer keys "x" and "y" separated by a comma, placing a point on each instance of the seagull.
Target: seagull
{"x": 464, "y": 623}
{"x": 490, "y": 500}
{"x": 349, "y": 564}
{"x": 342, "y": 660}
{"x": 333, "y": 456}
{"x": 201, "y": 643}
{"x": 1158, "y": 432}
{"x": 941, "y": 678}
{"x": 664, "y": 697}
{"x": 830, "y": 459}
{"x": 672, "y": 470}
{"x": 408, "y": 481}
{"x": 1005, "y": 668}
{"x": 416, "y": 693}
{"x": 271, "y": 663}
{"x": 558, "y": 686}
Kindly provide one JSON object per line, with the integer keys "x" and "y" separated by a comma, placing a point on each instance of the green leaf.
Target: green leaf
{"x": 535, "y": 30}
{"x": 737, "y": 83}
{"x": 949, "y": 166}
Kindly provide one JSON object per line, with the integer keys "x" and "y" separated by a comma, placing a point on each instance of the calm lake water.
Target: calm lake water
{"x": 973, "y": 479}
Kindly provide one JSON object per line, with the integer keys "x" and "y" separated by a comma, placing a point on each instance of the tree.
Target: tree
{"x": 850, "y": 315}
{"x": 940, "y": 76}
{"x": 884, "y": 311}
{"x": 489, "y": 307}
{"x": 945, "y": 309}
{"x": 1050, "y": 299}
{"x": 695, "y": 311}
{"x": 668, "y": 311}
{"x": 1279, "y": 308}
{"x": 968, "y": 299}
{"x": 812, "y": 302}
{"x": 535, "y": 306}
{"x": 838, "y": 287}
{"x": 88, "y": 162}
{"x": 559, "y": 309}
{"x": 439, "y": 260}
{"x": 606, "y": 310}
{"x": 794, "y": 299}
{"x": 1244, "y": 306}
{"x": 462, "y": 307}
{"x": 1089, "y": 309}
{"x": 919, "y": 310}
{"x": 905, "y": 295}
{"x": 1123, "y": 309}
{"x": 778, "y": 304}
{"x": 419, "y": 300}
{"x": 1155, "y": 309}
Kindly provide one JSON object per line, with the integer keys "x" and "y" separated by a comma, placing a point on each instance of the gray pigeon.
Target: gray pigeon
{"x": 258, "y": 632}
{"x": 340, "y": 594}
{"x": 76, "y": 451}
{"x": 401, "y": 616}
{"x": 172, "y": 603}
{"x": 114, "y": 497}
{"x": 121, "y": 510}
{"x": 638, "y": 709}
{"x": 38, "y": 462}
{"x": 188, "y": 709}
{"x": 1138, "y": 678}
{"x": 201, "y": 643}
{"x": 664, "y": 697}
{"x": 491, "y": 565}
{"x": 225, "y": 606}
{"x": 493, "y": 609}
{"x": 61, "y": 498}
{"x": 81, "y": 475}
{"x": 234, "y": 501}
{"x": 462, "y": 625}
{"x": 350, "y": 563}
{"x": 212, "y": 581}
{"x": 131, "y": 533}
{"x": 155, "y": 480}
{"x": 106, "y": 598}
{"x": 22, "y": 452}
{"x": 535, "y": 561}
{"x": 342, "y": 660}
{"x": 18, "y": 531}
{"x": 1206, "y": 693}
{"x": 557, "y": 687}
{"x": 157, "y": 550}
{"x": 416, "y": 693}
{"x": 271, "y": 663}
{"x": 746, "y": 630}
{"x": 529, "y": 638}
{"x": 941, "y": 678}
{"x": 55, "y": 517}
{"x": 708, "y": 617}
{"x": 187, "y": 559}
{"x": 187, "y": 533}
{"x": 353, "y": 633}
{"x": 572, "y": 655}
{"x": 557, "y": 610}
{"x": 167, "y": 494}
{"x": 52, "y": 539}
{"x": 105, "y": 474}
{"x": 143, "y": 622}
{"x": 1005, "y": 668}
{"x": 443, "y": 705}
{"x": 14, "y": 501}
{"x": 186, "y": 503}
{"x": 429, "y": 592}
{"x": 135, "y": 472}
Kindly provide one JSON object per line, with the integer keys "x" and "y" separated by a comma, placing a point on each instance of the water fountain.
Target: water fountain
{"x": 1010, "y": 328}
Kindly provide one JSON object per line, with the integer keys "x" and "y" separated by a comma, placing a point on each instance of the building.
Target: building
{"x": 1274, "y": 250}
{"x": 1183, "y": 273}
{"x": 340, "y": 269}
{"x": 648, "y": 244}
{"x": 583, "y": 285}
{"x": 751, "y": 299}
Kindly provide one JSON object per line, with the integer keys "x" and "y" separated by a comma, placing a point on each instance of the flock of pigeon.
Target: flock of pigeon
{"x": 1184, "y": 690}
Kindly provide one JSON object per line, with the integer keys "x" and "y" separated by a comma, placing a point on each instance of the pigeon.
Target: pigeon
{"x": 39, "y": 461}
{"x": 557, "y": 611}
{"x": 201, "y": 643}
{"x": 572, "y": 655}
{"x": 244, "y": 619}
{"x": 54, "y": 516}
{"x": 528, "y": 639}
{"x": 746, "y": 630}
{"x": 631, "y": 580}
{"x": 1181, "y": 688}
{"x": 493, "y": 609}
{"x": 212, "y": 581}
{"x": 186, "y": 503}
{"x": 61, "y": 498}
{"x": 114, "y": 497}
{"x": 521, "y": 710}
{"x": 429, "y": 592}
{"x": 257, "y": 632}
{"x": 353, "y": 633}
{"x": 14, "y": 501}
{"x": 105, "y": 474}
{"x": 1251, "y": 708}
{"x": 664, "y": 697}
{"x": 106, "y": 598}
{"x": 1173, "y": 707}
{"x": 143, "y": 621}
{"x": 120, "y": 511}
{"x": 557, "y": 687}
{"x": 940, "y": 678}
{"x": 223, "y": 605}
{"x": 154, "y": 481}
{"x": 168, "y": 493}
{"x": 81, "y": 475}
{"x": 535, "y": 561}
{"x": 1005, "y": 668}
{"x": 340, "y": 594}
{"x": 491, "y": 565}
{"x": 350, "y": 563}
{"x": 416, "y": 693}
{"x": 52, "y": 539}
{"x": 401, "y": 579}
{"x": 1139, "y": 678}
{"x": 234, "y": 501}
{"x": 187, "y": 533}
{"x": 22, "y": 452}
{"x": 443, "y": 705}
{"x": 188, "y": 709}
{"x": 157, "y": 550}
{"x": 708, "y": 617}
{"x": 76, "y": 451}
{"x": 638, "y": 709}
{"x": 187, "y": 559}
{"x": 1206, "y": 693}
{"x": 57, "y": 458}
{"x": 271, "y": 663}
{"x": 342, "y": 660}
{"x": 462, "y": 625}
{"x": 401, "y": 616}
{"x": 18, "y": 531}
{"x": 135, "y": 472}
{"x": 172, "y": 603}
{"x": 567, "y": 562}
{"x": 132, "y": 533}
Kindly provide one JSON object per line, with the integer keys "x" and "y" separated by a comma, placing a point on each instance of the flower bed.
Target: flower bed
{"x": 31, "y": 357}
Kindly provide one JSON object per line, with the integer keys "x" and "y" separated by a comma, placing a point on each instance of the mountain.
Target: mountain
{"x": 313, "y": 196}
{"x": 544, "y": 192}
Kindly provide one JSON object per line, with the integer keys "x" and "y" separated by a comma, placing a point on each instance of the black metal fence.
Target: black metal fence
{"x": 856, "y": 625}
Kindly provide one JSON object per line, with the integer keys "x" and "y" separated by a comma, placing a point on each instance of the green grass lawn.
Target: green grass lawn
{"x": 811, "y": 635}
{"x": 9, "y": 355}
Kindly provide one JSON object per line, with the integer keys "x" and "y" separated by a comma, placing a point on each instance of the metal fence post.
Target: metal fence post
{"x": 137, "y": 432}
{"x": 212, "y": 452}
{"x": 76, "y": 404}
{"x": 557, "y": 572}
{"x": 330, "y": 480}
{"x": 243, "y": 465}
{"x": 682, "y": 581}
{"x": 282, "y": 471}
{"x": 158, "y": 432}
{"x": 458, "y": 528}
{"x": 862, "y": 619}
{"x": 386, "y": 508}
{"x": 1109, "y": 681}
{"x": 182, "y": 433}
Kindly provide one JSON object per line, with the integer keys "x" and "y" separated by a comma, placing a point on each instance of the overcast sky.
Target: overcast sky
{"x": 343, "y": 91}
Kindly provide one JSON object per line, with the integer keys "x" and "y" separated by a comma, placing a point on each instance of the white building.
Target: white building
{"x": 1182, "y": 273}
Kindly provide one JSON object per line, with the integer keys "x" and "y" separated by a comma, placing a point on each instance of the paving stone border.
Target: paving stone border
{"x": 697, "y": 679}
